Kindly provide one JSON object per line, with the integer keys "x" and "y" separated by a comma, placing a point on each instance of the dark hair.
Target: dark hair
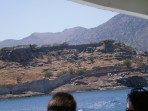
{"x": 139, "y": 99}
{"x": 62, "y": 101}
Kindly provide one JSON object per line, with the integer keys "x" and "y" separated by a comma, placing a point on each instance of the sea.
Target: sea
{"x": 96, "y": 100}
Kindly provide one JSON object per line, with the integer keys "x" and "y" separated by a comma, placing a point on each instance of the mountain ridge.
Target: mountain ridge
{"x": 130, "y": 30}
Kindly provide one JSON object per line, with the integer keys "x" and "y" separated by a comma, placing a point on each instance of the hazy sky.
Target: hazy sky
{"x": 20, "y": 18}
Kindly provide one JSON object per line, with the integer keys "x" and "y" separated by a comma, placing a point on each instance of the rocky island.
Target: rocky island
{"x": 30, "y": 70}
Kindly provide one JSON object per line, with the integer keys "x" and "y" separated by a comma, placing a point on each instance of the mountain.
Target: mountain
{"x": 46, "y": 38}
{"x": 130, "y": 30}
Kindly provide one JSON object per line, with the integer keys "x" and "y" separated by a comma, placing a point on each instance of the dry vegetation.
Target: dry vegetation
{"x": 13, "y": 72}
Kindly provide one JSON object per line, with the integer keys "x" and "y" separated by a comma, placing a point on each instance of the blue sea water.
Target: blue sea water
{"x": 98, "y": 100}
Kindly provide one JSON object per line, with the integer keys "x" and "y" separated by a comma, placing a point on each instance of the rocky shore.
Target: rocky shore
{"x": 87, "y": 83}
{"x": 27, "y": 94}
{"x": 134, "y": 79}
{"x": 64, "y": 89}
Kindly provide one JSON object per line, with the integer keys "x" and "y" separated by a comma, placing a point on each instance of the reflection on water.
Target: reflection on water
{"x": 109, "y": 100}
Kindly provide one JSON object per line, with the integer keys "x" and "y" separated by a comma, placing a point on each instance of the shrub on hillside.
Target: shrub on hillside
{"x": 127, "y": 63}
{"x": 62, "y": 72}
{"x": 19, "y": 80}
{"x": 80, "y": 71}
{"x": 96, "y": 68}
{"x": 33, "y": 47}
{"x": 107, "y": 41}
{"x": 48, "y": 74}
{"x": 71, "y": 70}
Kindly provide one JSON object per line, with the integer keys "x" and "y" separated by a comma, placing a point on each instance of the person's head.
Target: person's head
{"x": 62, "y": 101}
{"x": 137, "y": 100}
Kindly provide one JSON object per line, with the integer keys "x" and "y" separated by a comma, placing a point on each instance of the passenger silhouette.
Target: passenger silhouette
{"x": 62, "y": 101}
{"x": 137, "y": 100}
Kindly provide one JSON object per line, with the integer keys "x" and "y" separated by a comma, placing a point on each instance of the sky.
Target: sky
{"x": 20, "y": 18}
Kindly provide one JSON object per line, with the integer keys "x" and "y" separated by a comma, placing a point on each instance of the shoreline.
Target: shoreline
{"x": 33, "y": 94}
{"x": 13, "y": 96}
{"x": 94, "y": 89}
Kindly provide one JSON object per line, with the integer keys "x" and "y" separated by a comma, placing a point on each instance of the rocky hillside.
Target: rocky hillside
{"x": 23, "y": 64}
{"x": 26, "y": 54}
{"x": 130, "y": 30}
{"x": 32, "y": 70}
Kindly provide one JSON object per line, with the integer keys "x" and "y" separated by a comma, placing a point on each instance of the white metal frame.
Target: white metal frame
{"x": 137, "y": 8}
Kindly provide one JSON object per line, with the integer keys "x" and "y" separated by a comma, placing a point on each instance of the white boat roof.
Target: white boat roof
{"x": 138, "y": 8}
